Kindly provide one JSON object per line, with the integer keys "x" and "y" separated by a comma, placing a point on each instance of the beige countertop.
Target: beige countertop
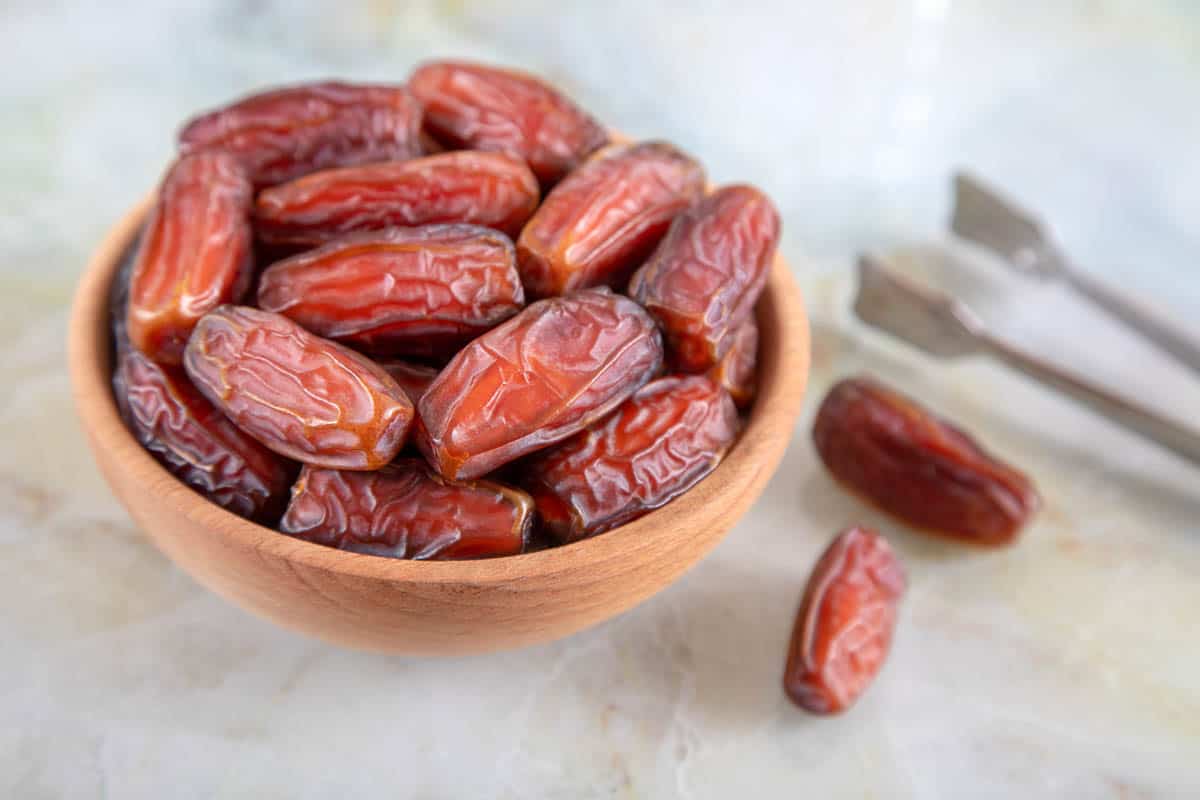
{"x": 1065, "y": 666}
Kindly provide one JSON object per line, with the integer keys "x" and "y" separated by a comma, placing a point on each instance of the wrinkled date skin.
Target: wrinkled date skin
{"x": 196, "y": 442}
{"x": 545, "y": 374}
{"x": 737, "y": 370}
{"x": 300, "y": 395}
{"x": 414, "y": 379}
{"x": 919, "y": 468}
{"x": 660, "y": 443}
{"x": 604, "y": 218}
{"x": 702, "y": 282}
{"x": 196, "y": 253}
{"x": 406, "y": 291}
{"x": 283, "y": 134}
{"x": 484, "y": 108}
{"x": 844, "y": 627}
{"x": 407, "y": 511}
{"x": 489, "y": 189}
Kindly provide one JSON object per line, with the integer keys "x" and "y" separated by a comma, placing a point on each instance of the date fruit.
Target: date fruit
{"x": 485, "y": 108}
{"x": 844, "y": 627}
{"x": 196, "y": 442}
{"x": 300, "y": 395}
{"x": 737, "y": 370}
{"x": 283, "y": 134}
{"x": 196, "y": 253}
{"x": 489, "y": 189}
{"x": 414, "y": 379}
{"x": 659, "y": 444}
{"x": 604, "y": 218}
{"x": 543, "y": 375}
{"x": 702, "y": 282}
{"x": 405, "y": 510}
{"x": 421, "y": 291}
{"x": 918, "y": 467}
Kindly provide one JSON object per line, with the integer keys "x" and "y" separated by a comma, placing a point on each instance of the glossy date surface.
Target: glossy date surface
{"x": 737, "y": 370}
{"x": 548, "y": 372}
{"x": 603, "y": 219}
{"x": 704, "y": 278}
{"x": 487, "y": 108}
{"x": 658, "y": 444}
{"x": 420, "y": 291}
{"x": 282, "y": 134}
{"x": 844, "y": 627}
{"x": 405, "y": 510}
{"x": 302, "y": 396}
{"x": 195, "y": 253}
{"x": 196, "y": 442}
{"x": 919, "y": 468}
{"x": 489, "y": 189}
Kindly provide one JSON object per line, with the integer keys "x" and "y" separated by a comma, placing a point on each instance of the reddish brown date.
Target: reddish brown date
{"x": 196, "y": 253}
{"x": 547, "y": 373}
{"x": 421, "y": 291}
{"x": 407, "y": 511}
{"x": 702, "y": 282}
{"x": 196, "y": 442}
{"x": 285, "y": 133}
{"x": 302, "y": 396}
{"x": 737, "y": 370}
{"x": 918, "y": 467}
{"x": 604, "y": 218}
{"x": 484, "y": 108}
{"x": 414, "y": 379}
{"x": 489, "y": 189}
{"x": 660, "y": 443}
{"x": 844, "y": 627}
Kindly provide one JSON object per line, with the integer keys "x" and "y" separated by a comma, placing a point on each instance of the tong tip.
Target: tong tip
{"x": 983, "y": 215}
{"x": 922, "y": 316}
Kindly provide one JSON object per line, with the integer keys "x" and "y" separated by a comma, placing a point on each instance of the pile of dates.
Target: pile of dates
{"x": 446, "y": 319}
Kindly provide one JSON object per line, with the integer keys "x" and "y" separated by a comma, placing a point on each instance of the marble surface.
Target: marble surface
{"x": 1066, "y": 666}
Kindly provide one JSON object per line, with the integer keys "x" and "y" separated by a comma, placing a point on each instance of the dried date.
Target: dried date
{"x": 659, "y": 444}
{"x": 195, "y": 254}
{"x": 702, "y": 282}
{"x": 844, "y": 627}
{"x": 489, "y": 189}
{"x": 421, "y": 291}
{"x": 604, "y": 218}
{"x": 300, "y": 395}
{"x": 485, "y": 108}
{"x": 543, "y": 375}
{"x": 196, "y": 442}
{"x": 285, "y": 133}
{"x": 737, "y": 370}
{"x": 405, "y": 510}
{"x": 918, "y": 467}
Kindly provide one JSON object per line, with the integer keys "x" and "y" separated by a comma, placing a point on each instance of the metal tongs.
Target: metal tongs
{"x": 945, "y": 327}
{"x": 984, "y": 216}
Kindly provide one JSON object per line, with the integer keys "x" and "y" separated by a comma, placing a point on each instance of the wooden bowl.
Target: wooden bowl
{"x": 432, "y": 607}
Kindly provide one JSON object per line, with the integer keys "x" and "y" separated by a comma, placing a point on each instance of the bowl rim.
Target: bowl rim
{"x": 89, "y": 356}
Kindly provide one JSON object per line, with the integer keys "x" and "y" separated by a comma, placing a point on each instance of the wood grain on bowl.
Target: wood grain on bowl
{"x": 420, "y": 607}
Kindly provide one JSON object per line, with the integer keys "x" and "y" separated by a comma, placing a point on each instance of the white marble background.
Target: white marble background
{"x": 1067, "y": 666}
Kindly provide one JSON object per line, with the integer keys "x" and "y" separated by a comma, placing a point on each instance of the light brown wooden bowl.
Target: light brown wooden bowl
{"x": 432, "y": 607}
